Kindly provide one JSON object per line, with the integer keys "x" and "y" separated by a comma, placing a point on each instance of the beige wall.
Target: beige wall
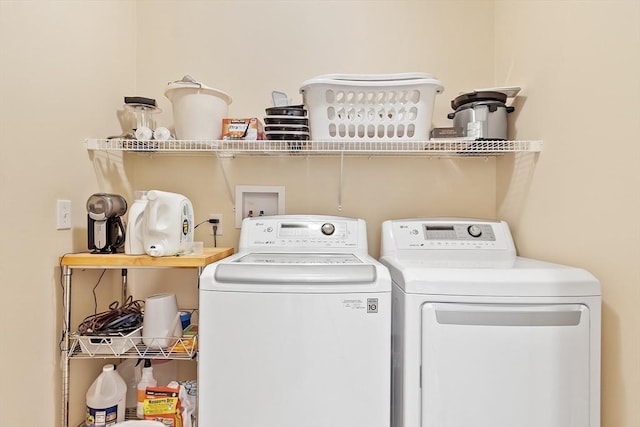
{"x": 579, "y": 63}
{"x": 61, "y": 65}
{"x": 66, "y": 66}
{"x": 250, "y": 48}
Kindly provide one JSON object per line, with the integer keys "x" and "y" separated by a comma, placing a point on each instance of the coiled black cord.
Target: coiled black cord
{"x": 118, "y": 319}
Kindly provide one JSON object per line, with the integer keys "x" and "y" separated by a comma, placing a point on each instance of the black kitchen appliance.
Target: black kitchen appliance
{"x": 105, "y": 228}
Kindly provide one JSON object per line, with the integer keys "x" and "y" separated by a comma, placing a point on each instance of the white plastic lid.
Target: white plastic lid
{"x": 510, "y": 91}
{"x": 189, "y": 82}
{"x": 365, "y": 79}
{"x": 375, "y": 77}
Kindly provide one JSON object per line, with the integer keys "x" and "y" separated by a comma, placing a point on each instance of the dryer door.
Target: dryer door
{"x": 497, "y": 365}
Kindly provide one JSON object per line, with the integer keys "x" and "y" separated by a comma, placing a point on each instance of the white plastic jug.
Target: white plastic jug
{"x": 106, "y": 399}
{"x": 167, "y": 224}
{"x": 133, "y": 242}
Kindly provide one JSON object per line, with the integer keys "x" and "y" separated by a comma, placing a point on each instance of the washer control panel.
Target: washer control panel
{"x": 301, "y": 233}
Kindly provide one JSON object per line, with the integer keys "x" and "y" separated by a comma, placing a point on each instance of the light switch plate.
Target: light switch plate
{"x": 63, "y": 214}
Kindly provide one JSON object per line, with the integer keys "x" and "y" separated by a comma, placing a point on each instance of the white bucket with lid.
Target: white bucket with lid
{"x": 198, "y": 110}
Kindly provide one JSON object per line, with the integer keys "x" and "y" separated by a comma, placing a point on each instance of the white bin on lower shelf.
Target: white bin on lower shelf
{"x": 115, "y": 344}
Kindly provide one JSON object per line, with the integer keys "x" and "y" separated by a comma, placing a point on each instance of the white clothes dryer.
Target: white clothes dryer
{"x": 295, "y": 328}
{"x": 484, "y": 338}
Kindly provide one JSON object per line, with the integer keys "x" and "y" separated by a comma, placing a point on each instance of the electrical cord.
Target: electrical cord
{"x": 200, "y": 223}
{"x": 118, "y": 319}
{"x": 214, "y": 223}
{"x": 95, "y": 298}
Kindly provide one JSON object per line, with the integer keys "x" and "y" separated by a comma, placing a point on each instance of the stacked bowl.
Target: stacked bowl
{"x": 287, "y": 123}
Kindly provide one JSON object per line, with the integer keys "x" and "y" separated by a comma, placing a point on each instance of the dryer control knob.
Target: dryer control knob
{"x": 328, "y": 229}
{"x": 474, "y": 231}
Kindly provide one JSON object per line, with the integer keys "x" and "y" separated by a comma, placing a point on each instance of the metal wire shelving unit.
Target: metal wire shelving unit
{"x": 77, "y": 346}
{"x": 226, "y": 148}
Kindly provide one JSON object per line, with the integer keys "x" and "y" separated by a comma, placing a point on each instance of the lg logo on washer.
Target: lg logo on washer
{"x": 358, "y": 304}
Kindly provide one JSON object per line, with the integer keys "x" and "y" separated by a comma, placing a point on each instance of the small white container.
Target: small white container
{"x": 198, "y": 110}
{"x": 371, "y": 107}
{"x": 161, "y": 324}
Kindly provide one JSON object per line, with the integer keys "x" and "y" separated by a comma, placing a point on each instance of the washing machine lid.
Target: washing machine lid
{"x": 525, "y": 277}
{"x": 297, "y": 272}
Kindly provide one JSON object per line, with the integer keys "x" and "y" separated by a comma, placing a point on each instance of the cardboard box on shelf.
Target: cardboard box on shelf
{"x": 247, "y": 129}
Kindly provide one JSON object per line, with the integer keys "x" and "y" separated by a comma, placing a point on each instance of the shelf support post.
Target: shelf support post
{"x": 226, "y": 180}
{"x": 341, "y": 181}
{"x": 66, "y": 277}
{"x": 124, "y": 285}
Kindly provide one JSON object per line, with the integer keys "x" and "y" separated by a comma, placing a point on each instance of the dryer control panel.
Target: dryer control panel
{"x": 453, "y": 238}
{"x": 459, "y": 232}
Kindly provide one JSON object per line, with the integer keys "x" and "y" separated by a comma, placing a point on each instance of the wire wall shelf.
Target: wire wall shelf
{"x": 366, "y": 148}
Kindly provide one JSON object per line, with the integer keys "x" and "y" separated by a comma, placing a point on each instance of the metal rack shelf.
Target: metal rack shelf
{"x": 269, "y": 147}
{"x": 87, "y": 347}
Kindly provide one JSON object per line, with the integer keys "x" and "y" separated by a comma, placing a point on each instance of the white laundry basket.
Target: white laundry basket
{"x": 371, "y": 107}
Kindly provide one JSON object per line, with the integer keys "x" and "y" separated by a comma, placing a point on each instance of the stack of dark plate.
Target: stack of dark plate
{"x": 287, "y": 123}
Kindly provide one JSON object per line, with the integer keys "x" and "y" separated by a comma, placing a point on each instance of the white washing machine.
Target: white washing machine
{"x": 295, "y": 329}
{"x": 483, "y": 338}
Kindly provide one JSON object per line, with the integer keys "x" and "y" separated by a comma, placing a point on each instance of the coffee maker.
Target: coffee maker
{"x": 106, "y": 231}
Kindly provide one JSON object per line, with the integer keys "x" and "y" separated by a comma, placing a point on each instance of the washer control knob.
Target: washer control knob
{"x": 328, "y": 229}
{"x": 474, "y": 231}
